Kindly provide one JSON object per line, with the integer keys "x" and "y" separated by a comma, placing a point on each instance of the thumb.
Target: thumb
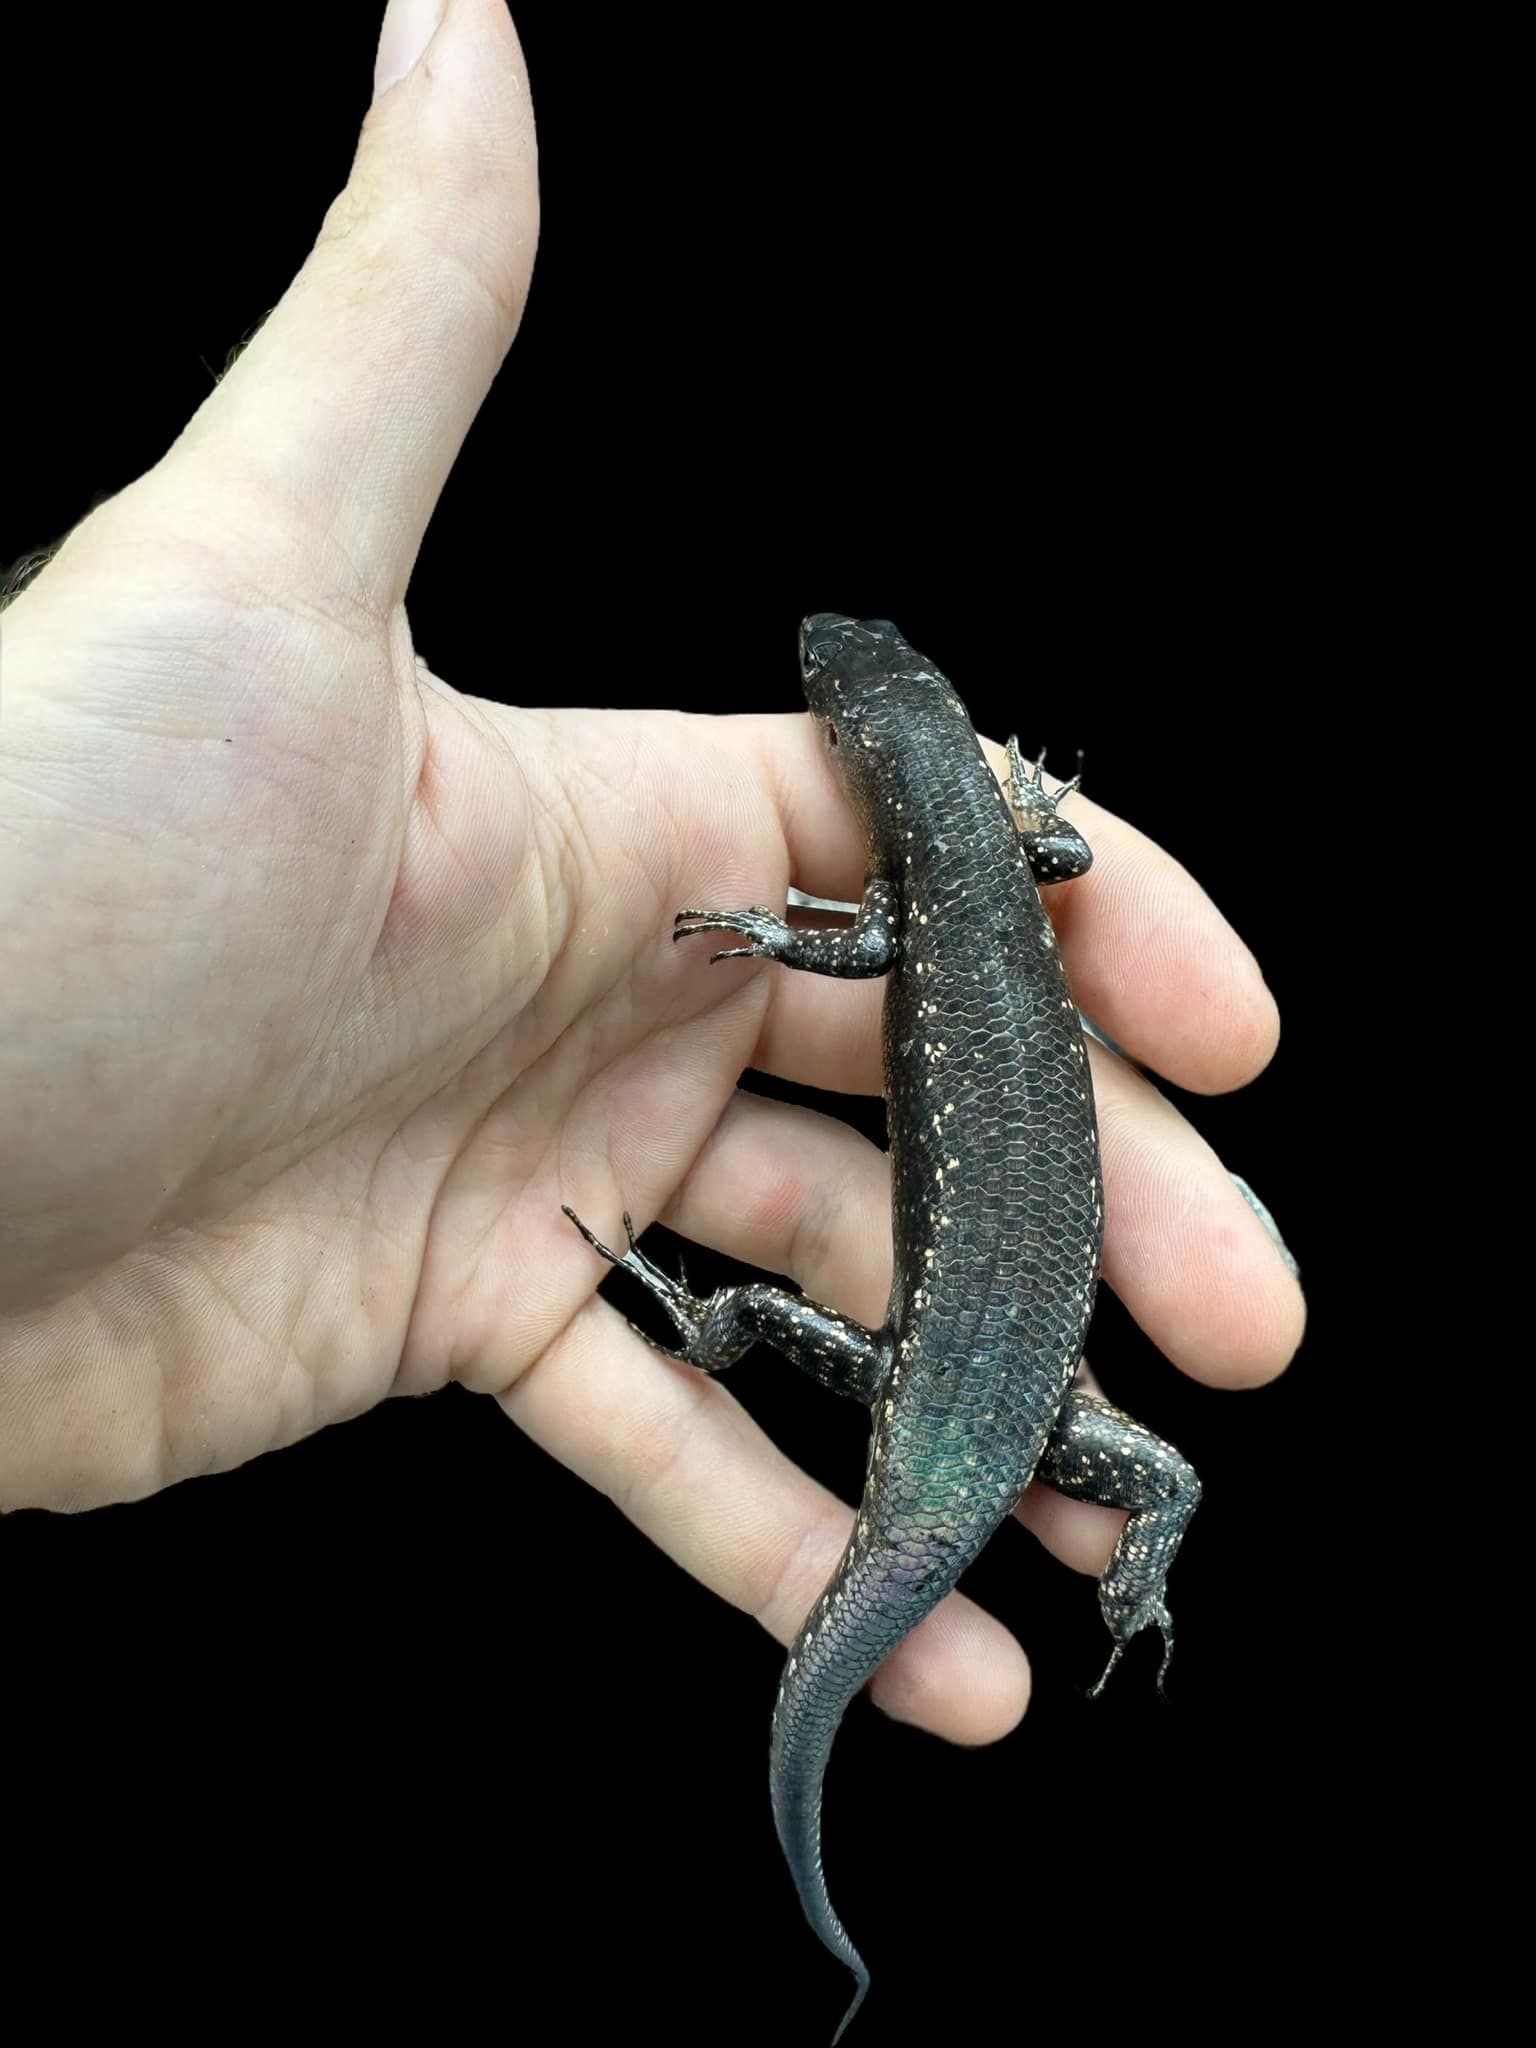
{"x": 350, "y": 404}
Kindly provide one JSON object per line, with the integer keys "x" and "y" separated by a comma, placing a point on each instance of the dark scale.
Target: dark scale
{"x": 997, "y": 1210}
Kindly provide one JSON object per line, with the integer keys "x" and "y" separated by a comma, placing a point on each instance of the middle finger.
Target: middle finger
{"x": 796, "y": 1192}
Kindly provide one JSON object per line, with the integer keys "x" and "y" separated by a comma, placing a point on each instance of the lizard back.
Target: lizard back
{"x": 997, "y": 1211}
{"x": 996, "y": 1195}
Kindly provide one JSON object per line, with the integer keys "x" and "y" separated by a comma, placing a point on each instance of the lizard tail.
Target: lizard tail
{"x": 863, "y": 1614}
{"x": 798, "y": 1765}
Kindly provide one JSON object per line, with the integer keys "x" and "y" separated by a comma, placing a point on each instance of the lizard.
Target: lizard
{"x": 997, "y": 1210}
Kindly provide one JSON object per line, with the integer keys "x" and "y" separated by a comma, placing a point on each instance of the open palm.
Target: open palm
{"x": 323, "y": 986}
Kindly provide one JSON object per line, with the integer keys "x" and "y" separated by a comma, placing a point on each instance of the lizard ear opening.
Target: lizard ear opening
{"x": 831, "y": 735}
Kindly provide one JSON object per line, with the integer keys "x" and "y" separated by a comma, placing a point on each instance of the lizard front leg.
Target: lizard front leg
{"x": 717, "y": 1328}
{"x": 1055, "y": 850}
{"x": 867, "y": 947}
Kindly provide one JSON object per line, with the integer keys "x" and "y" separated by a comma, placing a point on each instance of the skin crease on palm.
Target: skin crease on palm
{"x": 324, "y": 985}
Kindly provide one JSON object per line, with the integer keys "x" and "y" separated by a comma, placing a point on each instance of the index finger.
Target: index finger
{"x": 1149, "y": 956}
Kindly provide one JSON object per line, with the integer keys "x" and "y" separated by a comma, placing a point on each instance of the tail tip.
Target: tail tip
{"x": 862, "y": 1974}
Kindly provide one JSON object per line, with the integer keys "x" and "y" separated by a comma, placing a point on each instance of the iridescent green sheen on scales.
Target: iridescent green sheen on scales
{"x": 997, "y": 1210}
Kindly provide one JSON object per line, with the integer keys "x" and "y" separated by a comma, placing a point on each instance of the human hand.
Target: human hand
{"x": 324, "y": 986}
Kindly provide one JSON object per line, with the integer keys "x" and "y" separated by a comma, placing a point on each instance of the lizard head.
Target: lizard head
{"x": 869, "y": 690}
{"x": 878, "y": 703}
{"x": 864, "y": 670}
{"x": 845, "y": 662}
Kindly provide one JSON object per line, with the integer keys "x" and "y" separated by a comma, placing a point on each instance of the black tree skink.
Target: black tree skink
{"x": 997, "y": 1210}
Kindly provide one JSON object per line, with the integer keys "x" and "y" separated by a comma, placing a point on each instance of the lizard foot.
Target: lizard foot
{"x": 717, "y": 1329}
{"x": 673, "y": 1295}
{"x": 1055, "y": 850}
{"x": 768, "y": 933}
{"x": 1164, "y": 1621}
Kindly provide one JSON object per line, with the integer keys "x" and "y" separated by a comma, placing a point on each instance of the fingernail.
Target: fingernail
{"x": 1268, "y": 1221}
{"x": 1097, "y": 1031}
{"x": 409, "y": 25}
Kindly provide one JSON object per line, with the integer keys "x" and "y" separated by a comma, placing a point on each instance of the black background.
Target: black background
{"x": 1047, "y": 352}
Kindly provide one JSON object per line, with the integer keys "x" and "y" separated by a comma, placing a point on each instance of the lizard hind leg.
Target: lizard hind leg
{"x": 717, "y": 1329}
{"x": 1097, "y": 1453}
